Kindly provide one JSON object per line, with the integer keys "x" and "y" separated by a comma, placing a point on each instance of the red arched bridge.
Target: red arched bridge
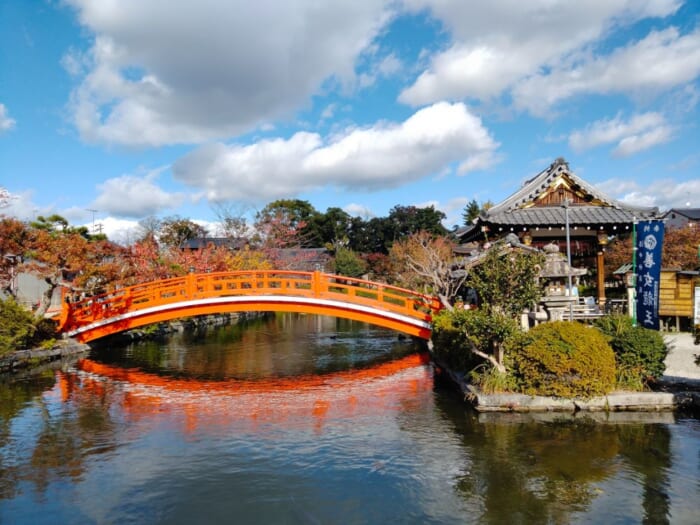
{"x": 267, "y": 291}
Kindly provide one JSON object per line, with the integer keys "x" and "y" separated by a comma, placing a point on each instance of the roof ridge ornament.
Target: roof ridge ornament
{"x": 560, "y": 161}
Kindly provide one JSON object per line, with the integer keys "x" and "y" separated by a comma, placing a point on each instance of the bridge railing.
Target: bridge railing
{"x": 247, "y": 283}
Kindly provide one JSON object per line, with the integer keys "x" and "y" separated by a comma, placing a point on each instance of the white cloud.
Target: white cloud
{"x": 359, "y": 210}
{"x": 329, "y": 111}
{"x": 452, "y": 209}
{"x": 643, "y": 141}
{"x": 389, "y": 65}
{"x": 386, "y": 67}
{"x": 134, "y": 196}
{"x": 640, "y": 132}
{"x": 386, "y": 155}
{"x": 161, "y": 74}
{"x": 6, "y": 123}
{"x": 22, "y": 206}
{"x": 499, "y": 43}
{"x": 663, "y": 193}
{"x": 661, "y": 61}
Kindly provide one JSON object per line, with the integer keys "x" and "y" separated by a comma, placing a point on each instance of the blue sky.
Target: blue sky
{"x": 139, "y": 108}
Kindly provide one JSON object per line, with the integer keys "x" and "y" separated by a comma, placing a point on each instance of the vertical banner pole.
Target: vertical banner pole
{"x": 634, "y": 271}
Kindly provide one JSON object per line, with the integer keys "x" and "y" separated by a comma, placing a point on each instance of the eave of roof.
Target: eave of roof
{"x": 532, "y": 188}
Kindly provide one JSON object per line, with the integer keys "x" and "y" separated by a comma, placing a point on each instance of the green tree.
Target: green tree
{"x": 52, "y": 223}
{"x": 411, "y": 219}
{"x": 373, "y": 236}
{"x": 175, "y": 230}
{"x": 471, "y": 212}
{"x": 328, "y": 228}
{"x": 506, "y": 282}
{"x": 283, "y": 223}
{"x": 349, "y": 263}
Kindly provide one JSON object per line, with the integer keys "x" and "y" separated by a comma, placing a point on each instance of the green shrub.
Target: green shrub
{"x": 19, "y": 329}
{"x": 563, "y": 359}
{"x": 450, "y": 342}
{"x": 16, "y": 326}
{"x": 44, "y": 333}
{"x": 456, "y": 332}
{"x": 639, "y": 352}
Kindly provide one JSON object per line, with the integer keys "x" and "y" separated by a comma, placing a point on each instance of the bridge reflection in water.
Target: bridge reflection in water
{"x": 296, "y": 401}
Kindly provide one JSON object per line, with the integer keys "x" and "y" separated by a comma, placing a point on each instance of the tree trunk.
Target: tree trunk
{"x": 491, "y": 359}
{"x": 46, "y": 296}
{"x": 446, "y": 302}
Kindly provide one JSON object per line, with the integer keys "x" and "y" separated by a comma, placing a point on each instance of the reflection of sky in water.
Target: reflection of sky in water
{"x": 113, "y": 442}
{"x": 332, "y": 451}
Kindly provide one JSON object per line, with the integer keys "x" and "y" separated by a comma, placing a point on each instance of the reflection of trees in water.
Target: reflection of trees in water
{"x": 647, "y": 449}
{"x": 70, "y": 431}
{"x": 529, "y": 471}
{"x": 14, "y": 397}
{"x": 280, "y": 345}
{"x": 537, "y": 471}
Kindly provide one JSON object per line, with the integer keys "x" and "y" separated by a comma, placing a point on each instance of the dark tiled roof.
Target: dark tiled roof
{"x": 199, "y": 243}
{"x": 690, "y": 213}
{"x": 556, "y": 216}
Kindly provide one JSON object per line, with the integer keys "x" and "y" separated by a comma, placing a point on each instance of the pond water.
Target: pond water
{"x": 304, "y": 419}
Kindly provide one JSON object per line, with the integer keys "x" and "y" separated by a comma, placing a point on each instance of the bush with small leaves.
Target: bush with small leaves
{"x": 564, "y": 359}
{"x": 19, "y": 329}
{"x": 16, "y": 326}
{"x": 639, "y": 352}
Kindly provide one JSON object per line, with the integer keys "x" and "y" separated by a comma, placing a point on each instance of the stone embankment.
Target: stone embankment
{"x": 22, "y": 359}
{"x": 679, "y": 388}
{"x": 71, "y": 349}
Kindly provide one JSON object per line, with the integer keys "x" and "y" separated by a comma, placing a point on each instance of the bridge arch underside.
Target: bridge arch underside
{"x": 137, "y": 318}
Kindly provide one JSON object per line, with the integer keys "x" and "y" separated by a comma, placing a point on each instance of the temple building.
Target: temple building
{"x": 540, "y": 211}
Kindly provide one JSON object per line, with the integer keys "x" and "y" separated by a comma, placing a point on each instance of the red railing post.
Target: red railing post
{"x": 190, "y": 286}
{"x": 316, "y": 283}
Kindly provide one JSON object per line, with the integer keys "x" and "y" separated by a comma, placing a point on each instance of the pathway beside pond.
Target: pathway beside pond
{"x": 680, "y": 361}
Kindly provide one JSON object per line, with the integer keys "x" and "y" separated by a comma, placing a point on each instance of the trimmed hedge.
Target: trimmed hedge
{"x": 639, "y": 352}
{"x": 563, "y": 359}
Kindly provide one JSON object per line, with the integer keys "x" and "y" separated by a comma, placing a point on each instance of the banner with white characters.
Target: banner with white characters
{"x": 650, "y": 237}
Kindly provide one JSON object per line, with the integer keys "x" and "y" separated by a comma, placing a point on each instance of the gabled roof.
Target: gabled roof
{"x": 689, "y": 213}
{"x": 590, "y": 206}
{"x": 543, "y": 182}
{"x": 538, "y": 203}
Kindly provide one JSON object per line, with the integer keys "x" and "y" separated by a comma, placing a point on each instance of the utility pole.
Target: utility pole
{"x": 565, "y": 205}
{"x": 93, "y": 218}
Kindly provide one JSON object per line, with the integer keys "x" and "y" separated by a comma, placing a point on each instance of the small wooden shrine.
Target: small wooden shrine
{"x": 539, "y": 212}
